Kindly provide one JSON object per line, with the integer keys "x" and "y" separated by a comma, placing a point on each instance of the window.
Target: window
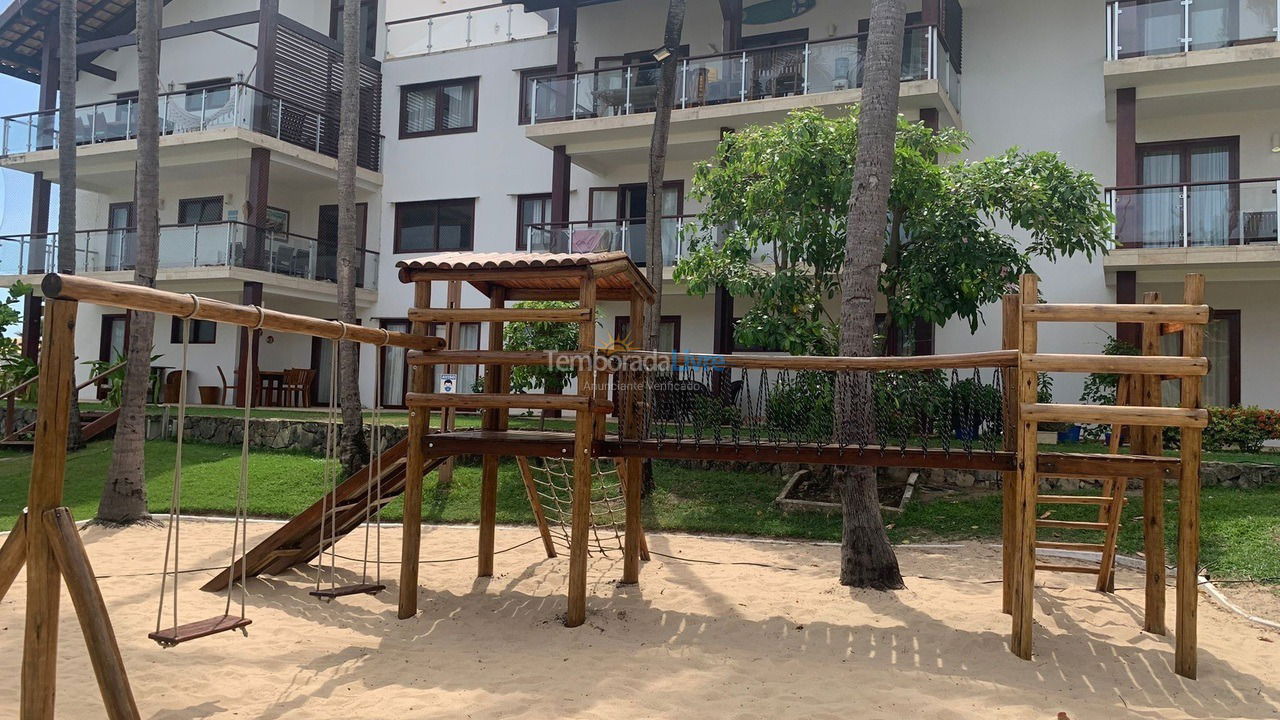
{"x": 368, "y": 24}
{"x": 1211, "y": 216}
{"x": 434, "y": 225}
{"x": 207, "y": 95}
{"x": 203, "y": 332}
{"x": 546, "y": 99}
{"x": 193, "y": 211}
{"x": 900, "y": 341}
{"x": 533, "y": 210}
{"x": 439, "y": 108}
{"x": 1221, "y": 386}
{"x": 668, "y": 333}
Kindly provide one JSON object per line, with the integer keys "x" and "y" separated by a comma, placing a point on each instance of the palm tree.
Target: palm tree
{"x": 353, "y": 450}
{"x": 67, "y": 171}
{"x": 124, "y": 496}
{"x": 866, "y": 558}
{"x": 658, "y": 165}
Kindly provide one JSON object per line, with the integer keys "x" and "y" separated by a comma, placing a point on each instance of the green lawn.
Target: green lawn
{"x": 1265, "y": 458}
{"x": 1240, "y": 529}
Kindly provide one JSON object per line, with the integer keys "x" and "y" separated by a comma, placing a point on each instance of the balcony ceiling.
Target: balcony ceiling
{"x": 22, "y": 25}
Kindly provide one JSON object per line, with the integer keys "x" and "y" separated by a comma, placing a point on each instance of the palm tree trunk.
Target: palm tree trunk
{"x": 658, "y": 167}
{"x": 124, "y": 497}
{"x": 67, "y": 172}
{"x": 866, "y": 557}
{"x": 354, "y": 451}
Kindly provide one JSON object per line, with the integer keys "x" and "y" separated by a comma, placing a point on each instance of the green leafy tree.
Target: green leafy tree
{"x": 782, "y": 193}
{"x": 540, "y": 336}
{"x": 15, "y": 367}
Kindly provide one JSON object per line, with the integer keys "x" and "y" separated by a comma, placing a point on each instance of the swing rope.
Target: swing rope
{"x": 173, "y": 536}
{"x": 328, "y": 504}
{"x": 240, "y": 527}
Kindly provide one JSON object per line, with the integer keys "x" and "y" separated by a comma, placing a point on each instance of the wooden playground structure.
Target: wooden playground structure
{"x": 660, "y": 405}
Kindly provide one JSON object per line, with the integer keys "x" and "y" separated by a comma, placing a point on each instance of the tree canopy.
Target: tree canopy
{"x": 775, "y": 221}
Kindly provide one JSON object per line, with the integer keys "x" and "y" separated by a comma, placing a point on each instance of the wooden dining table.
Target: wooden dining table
{"x": 270, "y": 388}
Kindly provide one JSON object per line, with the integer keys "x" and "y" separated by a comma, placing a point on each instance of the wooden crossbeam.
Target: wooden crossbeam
{"x": 1122, "y": 364}
{"x": 442, "y": 315}
{"x": 1113, "y": 415}
{"x": 1066, "y": 312}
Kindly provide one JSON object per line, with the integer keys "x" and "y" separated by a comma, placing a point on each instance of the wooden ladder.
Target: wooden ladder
{"x": 1110, "y": 502}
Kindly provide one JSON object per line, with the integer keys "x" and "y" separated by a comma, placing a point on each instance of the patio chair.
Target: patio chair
{"x": 222, "y": 396}
{"x": 297, "y": 387}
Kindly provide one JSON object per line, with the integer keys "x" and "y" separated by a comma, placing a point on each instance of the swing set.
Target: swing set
{"x": 976, "y": 411}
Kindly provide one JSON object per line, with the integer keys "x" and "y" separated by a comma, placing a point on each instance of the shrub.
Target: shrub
{"x": 803, "y": 405}
{"x": 1246, "y": 428}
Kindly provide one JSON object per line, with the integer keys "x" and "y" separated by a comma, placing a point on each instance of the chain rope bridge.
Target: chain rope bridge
{"x": 972, "y": 411}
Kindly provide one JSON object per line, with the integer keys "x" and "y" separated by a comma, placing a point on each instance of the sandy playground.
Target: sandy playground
{"x": 768, "y": 634}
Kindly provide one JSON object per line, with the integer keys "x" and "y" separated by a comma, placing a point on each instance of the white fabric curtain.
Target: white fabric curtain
{"x": 1217, "y": 347}
{"x": 1209, "y": 220}
{"x": 1161, "y": 208}
{"x": 468, "y": 339}
{"x": 460, "y": 102}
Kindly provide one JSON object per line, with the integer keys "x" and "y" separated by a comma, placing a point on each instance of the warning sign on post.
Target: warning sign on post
{"x": 449, "y": 383}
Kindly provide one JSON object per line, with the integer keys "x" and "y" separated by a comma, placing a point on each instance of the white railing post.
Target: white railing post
{"x": 1186, "y": 25}
{"x": 195, "y": 247}
{"x": 164, "y": 120}
{"x": 1186, "y": 225}
{"x": 4, "y": 144}
{"x": 684, "y": 84}
{"x": 431, "y": 24}
{"x": 573, "y": 101}
{"x": 931, "y": 55}
{"x": 93, "y": 128}
{"x": 1115, "y": 48}
{"x": 468, "y": 40}
{"x": 235, "y": 105}
{"x": 1276, "y": 29}
{"x": 533, "y": 103}
{"x": 510, "y": 9}
{"x": 742, "y": 90}
{"x": 1110, "y": 197}
{"x": 626, "y": 109}
{"x": 804, "y": 87}
{"x": 319, "y": 123}
{"x": 279, "y": 116}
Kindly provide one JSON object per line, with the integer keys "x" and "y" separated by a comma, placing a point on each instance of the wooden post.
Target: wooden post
{"x": 452, "y": 338}
{"x": 1012, "y": 329}
{"x": 1189, "y": 495}
{"x": 493, "y": 384}
{"x": 1027, "y": 488}
{"x": 48, "y": 464}
{"x": 419, "y": 425}
{"x": 584, "y": 427}
{"x": 531, "y": 488}
{"x": 95, "y": 623}
{"x": 633, "y": 467}
{"x": 1151, "y": 442}
{"x": 13, "y": 554}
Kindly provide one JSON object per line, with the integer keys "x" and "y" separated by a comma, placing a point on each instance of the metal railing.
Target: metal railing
{"x": 465, "y": 28}
{"x": 220, "y": 244}
{"x": 625, "y": 235}
{"x": 235, "y": 104}
{"x": 1199, "y": 214}
{"x": 778, "y": 71}
{"x": 1137, "y": 28}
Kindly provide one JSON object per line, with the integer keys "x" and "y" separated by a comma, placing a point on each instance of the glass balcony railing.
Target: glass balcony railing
{"x": 1204, "y": 214}
{"x": 470, "y": 27}
{"x": 1137, "y": 28}
{"x": 220, "y": 106}
{"x": 629, "y": 236}
{"x": 779, "y": 71}
{"x": 221, "y": 244}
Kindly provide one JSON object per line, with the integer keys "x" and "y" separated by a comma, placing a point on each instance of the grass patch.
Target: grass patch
{"x": 1240, "y": 528}
{"x": 1264, "y": 458}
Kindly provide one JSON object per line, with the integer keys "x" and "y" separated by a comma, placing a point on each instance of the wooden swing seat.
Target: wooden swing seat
{"x": 346, "y": 590}
{"x": 201, "y": 628}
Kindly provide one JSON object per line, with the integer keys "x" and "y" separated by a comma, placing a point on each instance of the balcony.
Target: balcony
{"x": 626, "y": 235}
{"x": 195, "y": 125}
{"x": 1180, "y": 48}
{"x": 465, "y": 28}
{"x": 1206, "y": 225}
{"x": 601, "y": 113}
{"x": 192, "y": 251}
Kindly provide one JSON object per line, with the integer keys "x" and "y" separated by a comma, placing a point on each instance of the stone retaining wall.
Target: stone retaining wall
{"x": 309, "y": 436}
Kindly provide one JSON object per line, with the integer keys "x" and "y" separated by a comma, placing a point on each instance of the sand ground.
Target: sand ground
{"x": 774, "y": 636}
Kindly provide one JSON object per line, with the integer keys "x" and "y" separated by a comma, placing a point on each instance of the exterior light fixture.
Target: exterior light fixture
{"x": 1275, "y": 142}
{"x": 661, "y": 54}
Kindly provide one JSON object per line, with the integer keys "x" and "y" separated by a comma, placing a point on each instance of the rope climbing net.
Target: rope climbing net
{"x": 551, "y": 487}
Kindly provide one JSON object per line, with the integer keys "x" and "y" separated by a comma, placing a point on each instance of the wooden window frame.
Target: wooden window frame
{"x": 521, "y": 237}
{"x": 523, "y": 116}
{"x": 175, "y": 332}
{"x": 666, "y": 319}
{"x": 591, "y": 192}
{"x": 400, "y": 207}
{"x": 1184, "y": 148}
{"x": 436, "y": 85}
{"x": 220, "y": 200}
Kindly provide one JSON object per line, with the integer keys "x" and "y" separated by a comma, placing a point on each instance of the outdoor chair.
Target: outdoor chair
{"x": 297, "y": 387}
{"x": 222, "y": 396}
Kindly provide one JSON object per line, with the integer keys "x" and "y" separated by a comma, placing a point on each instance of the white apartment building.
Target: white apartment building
{"x": 516, "y": 126}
